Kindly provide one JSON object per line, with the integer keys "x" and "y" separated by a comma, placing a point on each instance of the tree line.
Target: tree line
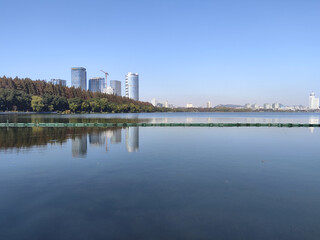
{"x": 24, "y": 94}
{"x": 39, "y": 96}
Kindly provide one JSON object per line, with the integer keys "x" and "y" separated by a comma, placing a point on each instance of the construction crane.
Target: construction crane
{"x": 106, "y": 77}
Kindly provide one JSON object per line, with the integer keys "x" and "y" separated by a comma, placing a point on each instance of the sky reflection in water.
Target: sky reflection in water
{"x": 159, "y": 183}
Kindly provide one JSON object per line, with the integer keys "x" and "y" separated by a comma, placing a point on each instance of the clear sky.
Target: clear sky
{"x": 184, "y": 50}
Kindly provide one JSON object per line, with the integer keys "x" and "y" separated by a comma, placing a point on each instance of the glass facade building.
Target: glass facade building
{"x": 116, "y": 85}
{"x": 79, "y": 78}
{"x": 132, "y": 86}
{"x": 59, "y": 82}
{"x": 96, "y": 84}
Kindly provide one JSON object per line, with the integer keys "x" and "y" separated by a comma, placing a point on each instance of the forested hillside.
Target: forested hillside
{"x": 18, "y": 94}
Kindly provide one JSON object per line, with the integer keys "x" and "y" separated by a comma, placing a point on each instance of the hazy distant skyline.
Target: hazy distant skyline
{"x": 185, "y": 51}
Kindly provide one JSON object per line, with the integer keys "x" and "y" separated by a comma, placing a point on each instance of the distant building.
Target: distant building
{"x": 79, "y": 78}
{"x": 59, "y": 82}
{"x": 158, "y": 103}
{"x": 132, "y": 86}
{"x": 255, "y": 106}
{"x": 116, "y": 85}
{"x": 108, "y": 90}
{"x": 189, "y": 105}
{"x": 248, "y": 106}
{"x": 209, "y": 104}
{"x": 267, "y": 106}
{"x": 313, "y": 102}
{"x": 154, "y": 102}
{"x": 276, "y": 106}
{"x": 96, "y": 84}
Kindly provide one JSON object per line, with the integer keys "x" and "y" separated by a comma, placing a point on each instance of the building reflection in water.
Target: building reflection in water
{"x": 132, "y": 139}
{"x": 313, "y": 120}
{"x": 79, "y": 146}
{"x": 97, "y": 139}
{"x": 100, "y": 138}
{"x": 116, "y": 137}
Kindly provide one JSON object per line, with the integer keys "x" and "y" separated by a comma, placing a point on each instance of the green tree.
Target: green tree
{"x": 85, "y": 106}
{"x": 75, "y": 104}
{"x": 37, "y": 103}
{"x": 104, "y": 105}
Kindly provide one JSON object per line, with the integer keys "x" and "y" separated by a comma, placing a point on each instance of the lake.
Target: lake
{"x": 158, "y": 182}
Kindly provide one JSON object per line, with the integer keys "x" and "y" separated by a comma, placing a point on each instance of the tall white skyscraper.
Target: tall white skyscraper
{"x": 313, "y": 102}
{"x": 132, "y": 86}
{"x": 209, "y": 104}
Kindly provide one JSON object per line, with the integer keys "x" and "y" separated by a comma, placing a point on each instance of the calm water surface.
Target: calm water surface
{"x": 255, "y": 117}
{"x": 160, "y": 183}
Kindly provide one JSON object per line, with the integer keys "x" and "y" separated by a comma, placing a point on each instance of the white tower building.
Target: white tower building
{"x": 313, "y": 102}
{"x": 132, "y": 86}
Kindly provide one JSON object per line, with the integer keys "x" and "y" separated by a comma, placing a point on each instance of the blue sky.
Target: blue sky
{"x": 185, "y": 51}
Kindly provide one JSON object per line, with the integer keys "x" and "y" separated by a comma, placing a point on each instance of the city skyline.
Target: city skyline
{"x": 226, "y": 53}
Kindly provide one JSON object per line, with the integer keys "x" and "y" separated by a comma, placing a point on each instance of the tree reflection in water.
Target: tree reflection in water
{"x": 26, "y": 138}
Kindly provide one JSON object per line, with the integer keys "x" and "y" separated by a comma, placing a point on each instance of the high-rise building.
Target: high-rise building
{"x": 116, "y": 85}
{"x": 209, "y": 104}
{"x": 59, "y": 82}
{"x": 79, "y": 77}
{"x": 96, "y": 84}
{"x": 313, "y": 102}
{"x": 189, "y": 105}
{"x": 132, "y": 86}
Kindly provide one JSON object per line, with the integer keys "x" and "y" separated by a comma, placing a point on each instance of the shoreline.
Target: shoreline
{"x": 81, "y": 113}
